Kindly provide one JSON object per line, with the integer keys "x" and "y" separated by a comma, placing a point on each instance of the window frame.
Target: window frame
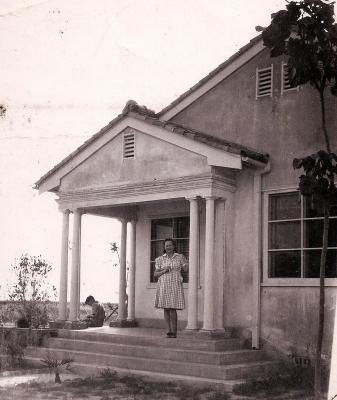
{"x": 283, "y": 88}
{"x": 129, "y": 145}
{"x": 257, "y": 81}
{"x": 153, "y": 285}
{"x": 300, "y": 281}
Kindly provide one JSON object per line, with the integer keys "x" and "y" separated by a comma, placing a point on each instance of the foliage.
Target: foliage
{"x": 306, "y": 32}
{"x": 107, "y": 373}
{"x": 12, "y": 346}
{"x": 318, "y": 183}
{"x": 283, "y": 378}
{"x": 2, "y": 110}
{"x": 31, "y": 290}
{"x": 55, "y": 365}
{"x": 115, "y": 250}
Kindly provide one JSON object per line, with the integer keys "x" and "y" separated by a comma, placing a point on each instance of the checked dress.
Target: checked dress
{"x": 170, "y": 292}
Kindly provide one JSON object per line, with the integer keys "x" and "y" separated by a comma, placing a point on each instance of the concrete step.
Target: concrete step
{"x": 156, "y": 352}
{"x": 182, "y": 341}
{"x": 95, "y": 370}
{"x": 219, "y": 372}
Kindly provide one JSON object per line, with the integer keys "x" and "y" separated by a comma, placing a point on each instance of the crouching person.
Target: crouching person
{"x": 97, "y": 316}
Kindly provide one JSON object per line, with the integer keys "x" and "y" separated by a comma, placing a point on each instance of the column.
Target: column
{"x": 132, "y": 272}
{"x": 209, "y": 270}
{"x": 192, "y": 317}
{"x": 122, "y": 274}
{"x": 75, "y": 266}
{"x": 64, "y": 268}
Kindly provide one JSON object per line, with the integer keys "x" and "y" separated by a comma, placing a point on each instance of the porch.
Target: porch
{"x": 221, "y": 360}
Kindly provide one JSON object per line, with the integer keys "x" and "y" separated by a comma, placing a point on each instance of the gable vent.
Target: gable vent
{"x": 285, "y": 84}
{"x": 264, "y": 82}
{"x": 129, "y": 145}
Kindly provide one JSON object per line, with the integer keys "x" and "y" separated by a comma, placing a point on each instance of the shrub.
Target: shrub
{"x": 31, "y": 290}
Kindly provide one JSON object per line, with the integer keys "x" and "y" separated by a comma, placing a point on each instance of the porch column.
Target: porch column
{"x": 122, "y": 274}
{"x": 64, "y": 268}
{"x": 192, "y": 315}
{"x": 132, "y": 272}
{"x": 75, "y": 266}
{"x": 209, "y": 266}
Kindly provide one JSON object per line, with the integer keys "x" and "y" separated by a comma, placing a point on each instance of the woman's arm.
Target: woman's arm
{"x": 159, "y": 272}
{"x": 184, "y": 263}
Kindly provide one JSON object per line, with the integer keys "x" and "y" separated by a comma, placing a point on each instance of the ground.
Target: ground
{"x": 111, "y": 387}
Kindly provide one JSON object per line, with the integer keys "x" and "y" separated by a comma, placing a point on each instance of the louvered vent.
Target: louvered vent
{"x": 264, "y": 82}
{"x": 285, "y": 84}
{"x": 129, "y": 145}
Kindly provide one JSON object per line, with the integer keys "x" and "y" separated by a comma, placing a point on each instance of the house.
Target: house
{"x": 214, "y": 171}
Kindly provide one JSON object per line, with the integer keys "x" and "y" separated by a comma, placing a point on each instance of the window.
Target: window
{"x": 285, "y": 84}
{"x": 175, "y": 228}
{"x": 129, "y": 145}
{"x": 295, "y": 233}
{"x": 264, "y": 82}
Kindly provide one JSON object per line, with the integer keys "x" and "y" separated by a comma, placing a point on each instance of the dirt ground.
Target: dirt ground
{"x": 113, "y": 388}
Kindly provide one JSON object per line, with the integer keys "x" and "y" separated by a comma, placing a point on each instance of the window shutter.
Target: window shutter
{"x": 129, "y": 145}
{"x": 264, "y": 82}
{"x": 285, "y": 84}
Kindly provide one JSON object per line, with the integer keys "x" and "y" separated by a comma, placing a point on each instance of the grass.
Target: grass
{"x": 279, "y": 381}
{"x": 284, "y": 383}
{"x": 108, "y": 386}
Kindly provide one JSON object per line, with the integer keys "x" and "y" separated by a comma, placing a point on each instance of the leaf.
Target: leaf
{"x": 259, "y": 28}
{"x": 307, "y": 185}
{"x": 297, "y": 163}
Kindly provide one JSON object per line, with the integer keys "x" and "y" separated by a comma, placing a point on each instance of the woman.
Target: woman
{"x": 170, "y": 294}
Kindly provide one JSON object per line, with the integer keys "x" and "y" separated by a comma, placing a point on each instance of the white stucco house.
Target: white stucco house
{"x": 214, "y": 171}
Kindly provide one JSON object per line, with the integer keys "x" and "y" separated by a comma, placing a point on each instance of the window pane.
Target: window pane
{"x": 313, "y": 233}
{"x": 161, "y": 228}
{"x": 152, "y": 268}
{"x": 183, "y": 246}
{"x": 284, "y": 206}
{"x": 310, "y": 212}
{"x": 284, "y": 235}
{"x": 157, "y": 249}
{"x": 312, "y": 263}
{"x": 285, "y": 264}
{"x": 333, "y": 232}
{"x": 182, "y": 227}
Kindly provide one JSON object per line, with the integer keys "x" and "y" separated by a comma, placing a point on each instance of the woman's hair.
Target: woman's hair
{"x": 173, "y": 242}
{"x": 89, "y": 299}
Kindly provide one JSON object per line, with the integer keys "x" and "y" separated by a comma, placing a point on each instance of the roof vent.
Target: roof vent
{"x": 285, "y": 84}
{"x": 129, "y": 145}
{"x": 264, "y": 82}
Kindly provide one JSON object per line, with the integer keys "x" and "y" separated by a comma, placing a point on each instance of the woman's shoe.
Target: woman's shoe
{"x": 169, "y": 334}
{"x": 173, "y": 335}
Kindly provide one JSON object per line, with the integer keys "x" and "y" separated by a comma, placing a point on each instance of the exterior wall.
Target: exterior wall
{"x": 285, "y": 126}
{"x": 239, "y": 270}
{"x": 154, "y": 159}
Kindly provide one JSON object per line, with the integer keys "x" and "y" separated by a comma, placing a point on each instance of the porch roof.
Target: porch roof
{"x": 142, "y": 113}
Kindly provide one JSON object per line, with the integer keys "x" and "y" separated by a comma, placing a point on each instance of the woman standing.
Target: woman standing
{"x": 170, "y": 294}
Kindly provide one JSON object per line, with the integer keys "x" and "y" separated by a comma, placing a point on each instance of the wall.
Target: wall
{"x": 154, "y": 159}
{"x": 285, "y": 126}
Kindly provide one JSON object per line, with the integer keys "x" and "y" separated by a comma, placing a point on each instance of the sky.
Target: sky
{"x": 67, "y": 68}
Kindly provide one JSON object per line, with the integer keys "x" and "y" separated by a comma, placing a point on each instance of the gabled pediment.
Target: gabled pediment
{"x": 153, "y": 160}
{"x": 162, "y": 151}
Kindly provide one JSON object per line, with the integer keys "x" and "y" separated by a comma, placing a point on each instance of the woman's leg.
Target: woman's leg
{"x": 174, "y": 319}
{"x": 167, "y": 319}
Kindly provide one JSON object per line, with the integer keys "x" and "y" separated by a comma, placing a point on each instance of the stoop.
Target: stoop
{"x": 218, "y": 359}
